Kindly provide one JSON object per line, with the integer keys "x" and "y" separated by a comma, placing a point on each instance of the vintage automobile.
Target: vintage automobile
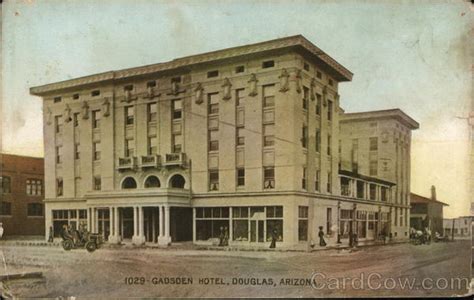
{"x": 74, "y": 239}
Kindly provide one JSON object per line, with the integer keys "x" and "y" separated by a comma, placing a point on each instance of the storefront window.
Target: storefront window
{"x": 211, "y": 221}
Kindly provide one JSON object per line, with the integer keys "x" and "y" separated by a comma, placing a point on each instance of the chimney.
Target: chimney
{"x": 433, "y": 192}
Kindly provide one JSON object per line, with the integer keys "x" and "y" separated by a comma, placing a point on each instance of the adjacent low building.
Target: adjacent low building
{"x": 21, "y": 195}
{"x": 427, "y": 212}
{"x": 458, "y": 227}
{"x": 249, "y": 142}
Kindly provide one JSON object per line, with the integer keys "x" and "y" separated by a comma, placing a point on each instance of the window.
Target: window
{"x": 268, "y": 64}
{"x": 329, "y": 144}
{"x": 304, "y": 137}
{"x": 373, "y": 144}
{"x": 35, "y": 210}
{"x": 319, "y": 99}
{"x": 151, "y": 84}
{"x": 302, "y": 223}
{"x": 97, "y": 183}
{"x": 95, "y": 93}
{"x": 329, "y": 183}
{"x": 177, "y": 109}
{"x": 317, "y": 181}
{"x": 360, "y": 189}
{"x": 5, "y": 208}
{"x": 241, "y": 177}
{"x": 303, "y": 179}
{"x": 269, "y": 95}
{"x": 372, "y": 191}
{"x": 355, "y": 155}
{"x": 152, "y": 142}
{"x": 269, "y": 178}
{"x": 59, "y": 154}
{"x": 319, "y": 74}
{"x": 5, "y": 185}
{"x": 129, "y": 148}
{"x": 57, "y": 99}
{"x": 58, "y": 124}
{"x": 129, "y": 115}
{"x": 76, "y": 119}
{"x": 75, "y": 96}
{"x": 268, "y": 135}
{"x": 305, "y": 97}
{"x": 329, "y": 220}
{"x": 77, "y": 153}
{"x": 329, "y": 110}
{"x": 213, "y": 140}
{"x": 213, "y": 103}
{"x": 239, "y": 97}
{"x": 318, "y": 140}
{"x": 34, "y": 187}
{"x": 211, "y": 74}
{"x": 177, "y": 181}
{"x": 306, "y": 66}
{"x": 176, "y": 140}
{"x": 59, "y": 187}
{"x": 212, "y": 222}
{"x": 152, "y": 182}
{"x": 331, "y": 83}
{"x": 128, "y": 87}
{"x": 240, "y": 136}
{"x": 274, "y": 221}
{"x": 129, "y": 183}
{"x": 96, "y": 119}
{"x": 213, "y": 180}
{"x": 239, "y": 69}
{"x": 152, "y": 109}
{"x": 373, "y": 167}
{"x": 96, "y": 150}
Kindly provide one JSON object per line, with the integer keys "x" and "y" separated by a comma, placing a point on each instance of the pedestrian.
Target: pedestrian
{"x": 274, "y": 238}
{"x": 226, "y": 237}
{"x": 1, "y": 229}
{"x": 221, "y": 237}
{"x": 322, "y": 242}
{"x": 50, "y": 237}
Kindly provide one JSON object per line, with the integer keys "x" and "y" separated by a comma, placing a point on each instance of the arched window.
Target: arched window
{"x": 177, "y": 181}
{"x": 129, "y": 183}
{"x": 152, "y": 182}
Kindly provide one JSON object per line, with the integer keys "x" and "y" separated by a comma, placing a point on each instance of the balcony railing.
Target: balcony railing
{"x": 126, "y": 163}
{"x": 150, "y": 161}
{"x": 175, "y": 159}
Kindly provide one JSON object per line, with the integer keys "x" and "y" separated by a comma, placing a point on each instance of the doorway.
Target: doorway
{"x": 257, "y": 224}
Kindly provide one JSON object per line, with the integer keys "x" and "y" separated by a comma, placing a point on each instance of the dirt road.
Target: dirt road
{"x": 389, "y": 270}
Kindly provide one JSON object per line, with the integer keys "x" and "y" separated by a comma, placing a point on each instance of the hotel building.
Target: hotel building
{"x": 243, "y": 140}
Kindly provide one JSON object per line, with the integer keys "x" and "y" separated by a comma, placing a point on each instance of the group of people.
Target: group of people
{"x": 224, "y": 237}
{"x": 420, "y": 236}
{"x": 77, "y": 236}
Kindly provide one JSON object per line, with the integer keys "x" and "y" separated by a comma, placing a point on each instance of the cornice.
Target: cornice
{"x": 283, "y": 43}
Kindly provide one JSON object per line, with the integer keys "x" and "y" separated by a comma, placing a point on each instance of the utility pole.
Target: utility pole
{"x": 452, "y": 231}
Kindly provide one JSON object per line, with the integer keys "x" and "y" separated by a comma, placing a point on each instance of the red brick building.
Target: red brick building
{"x": 21, "y": 195}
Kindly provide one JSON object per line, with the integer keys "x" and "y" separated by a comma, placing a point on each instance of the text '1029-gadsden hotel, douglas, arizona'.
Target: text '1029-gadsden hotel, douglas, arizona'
{"x": 250, "y": 140}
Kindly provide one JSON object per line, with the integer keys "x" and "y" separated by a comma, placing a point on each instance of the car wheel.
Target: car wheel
{"x": 67, "y": 245}
{"x": 91, "y": 246}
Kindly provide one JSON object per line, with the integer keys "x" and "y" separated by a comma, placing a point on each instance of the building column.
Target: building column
{"x": 114, "y": 226}
{"x": 165, "y": 239}
{"x": 142, "y": 222}
{"x": 111, "y": 222}
{"x": 138, "y": 237}
{"x": 231, "y": 226}
{"x": 95, "y": 221}
{"x": 89, "y": 218}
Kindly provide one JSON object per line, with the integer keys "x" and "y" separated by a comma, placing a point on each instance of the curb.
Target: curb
{"x": 27, "y": 275}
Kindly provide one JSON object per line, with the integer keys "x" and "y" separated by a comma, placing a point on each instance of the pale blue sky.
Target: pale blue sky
{"x": 411, "y": 56}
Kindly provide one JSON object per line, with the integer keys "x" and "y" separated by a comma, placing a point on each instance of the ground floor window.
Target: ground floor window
{"x": 71, "y": 217}
{"x": 35, "y": 210}
{"x": 211, "y": 222}
{"x": 302, "y": 223}
{"x": 361, "y": 224}
{"x": 345, "y": 220}
{"x": 249, "y": 223}
{"x": 5, "y": 208}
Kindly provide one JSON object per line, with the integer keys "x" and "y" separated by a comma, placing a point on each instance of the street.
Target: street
{"x": 146, "y": 272}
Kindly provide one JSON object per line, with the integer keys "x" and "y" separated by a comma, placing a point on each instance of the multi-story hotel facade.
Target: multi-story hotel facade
{"x": 242, "y": 141}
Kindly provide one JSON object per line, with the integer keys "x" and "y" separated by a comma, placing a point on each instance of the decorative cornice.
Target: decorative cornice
{"x": 341, "y": 73}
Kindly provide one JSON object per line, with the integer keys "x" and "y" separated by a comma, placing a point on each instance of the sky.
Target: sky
{"x": 412, "y": 55}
